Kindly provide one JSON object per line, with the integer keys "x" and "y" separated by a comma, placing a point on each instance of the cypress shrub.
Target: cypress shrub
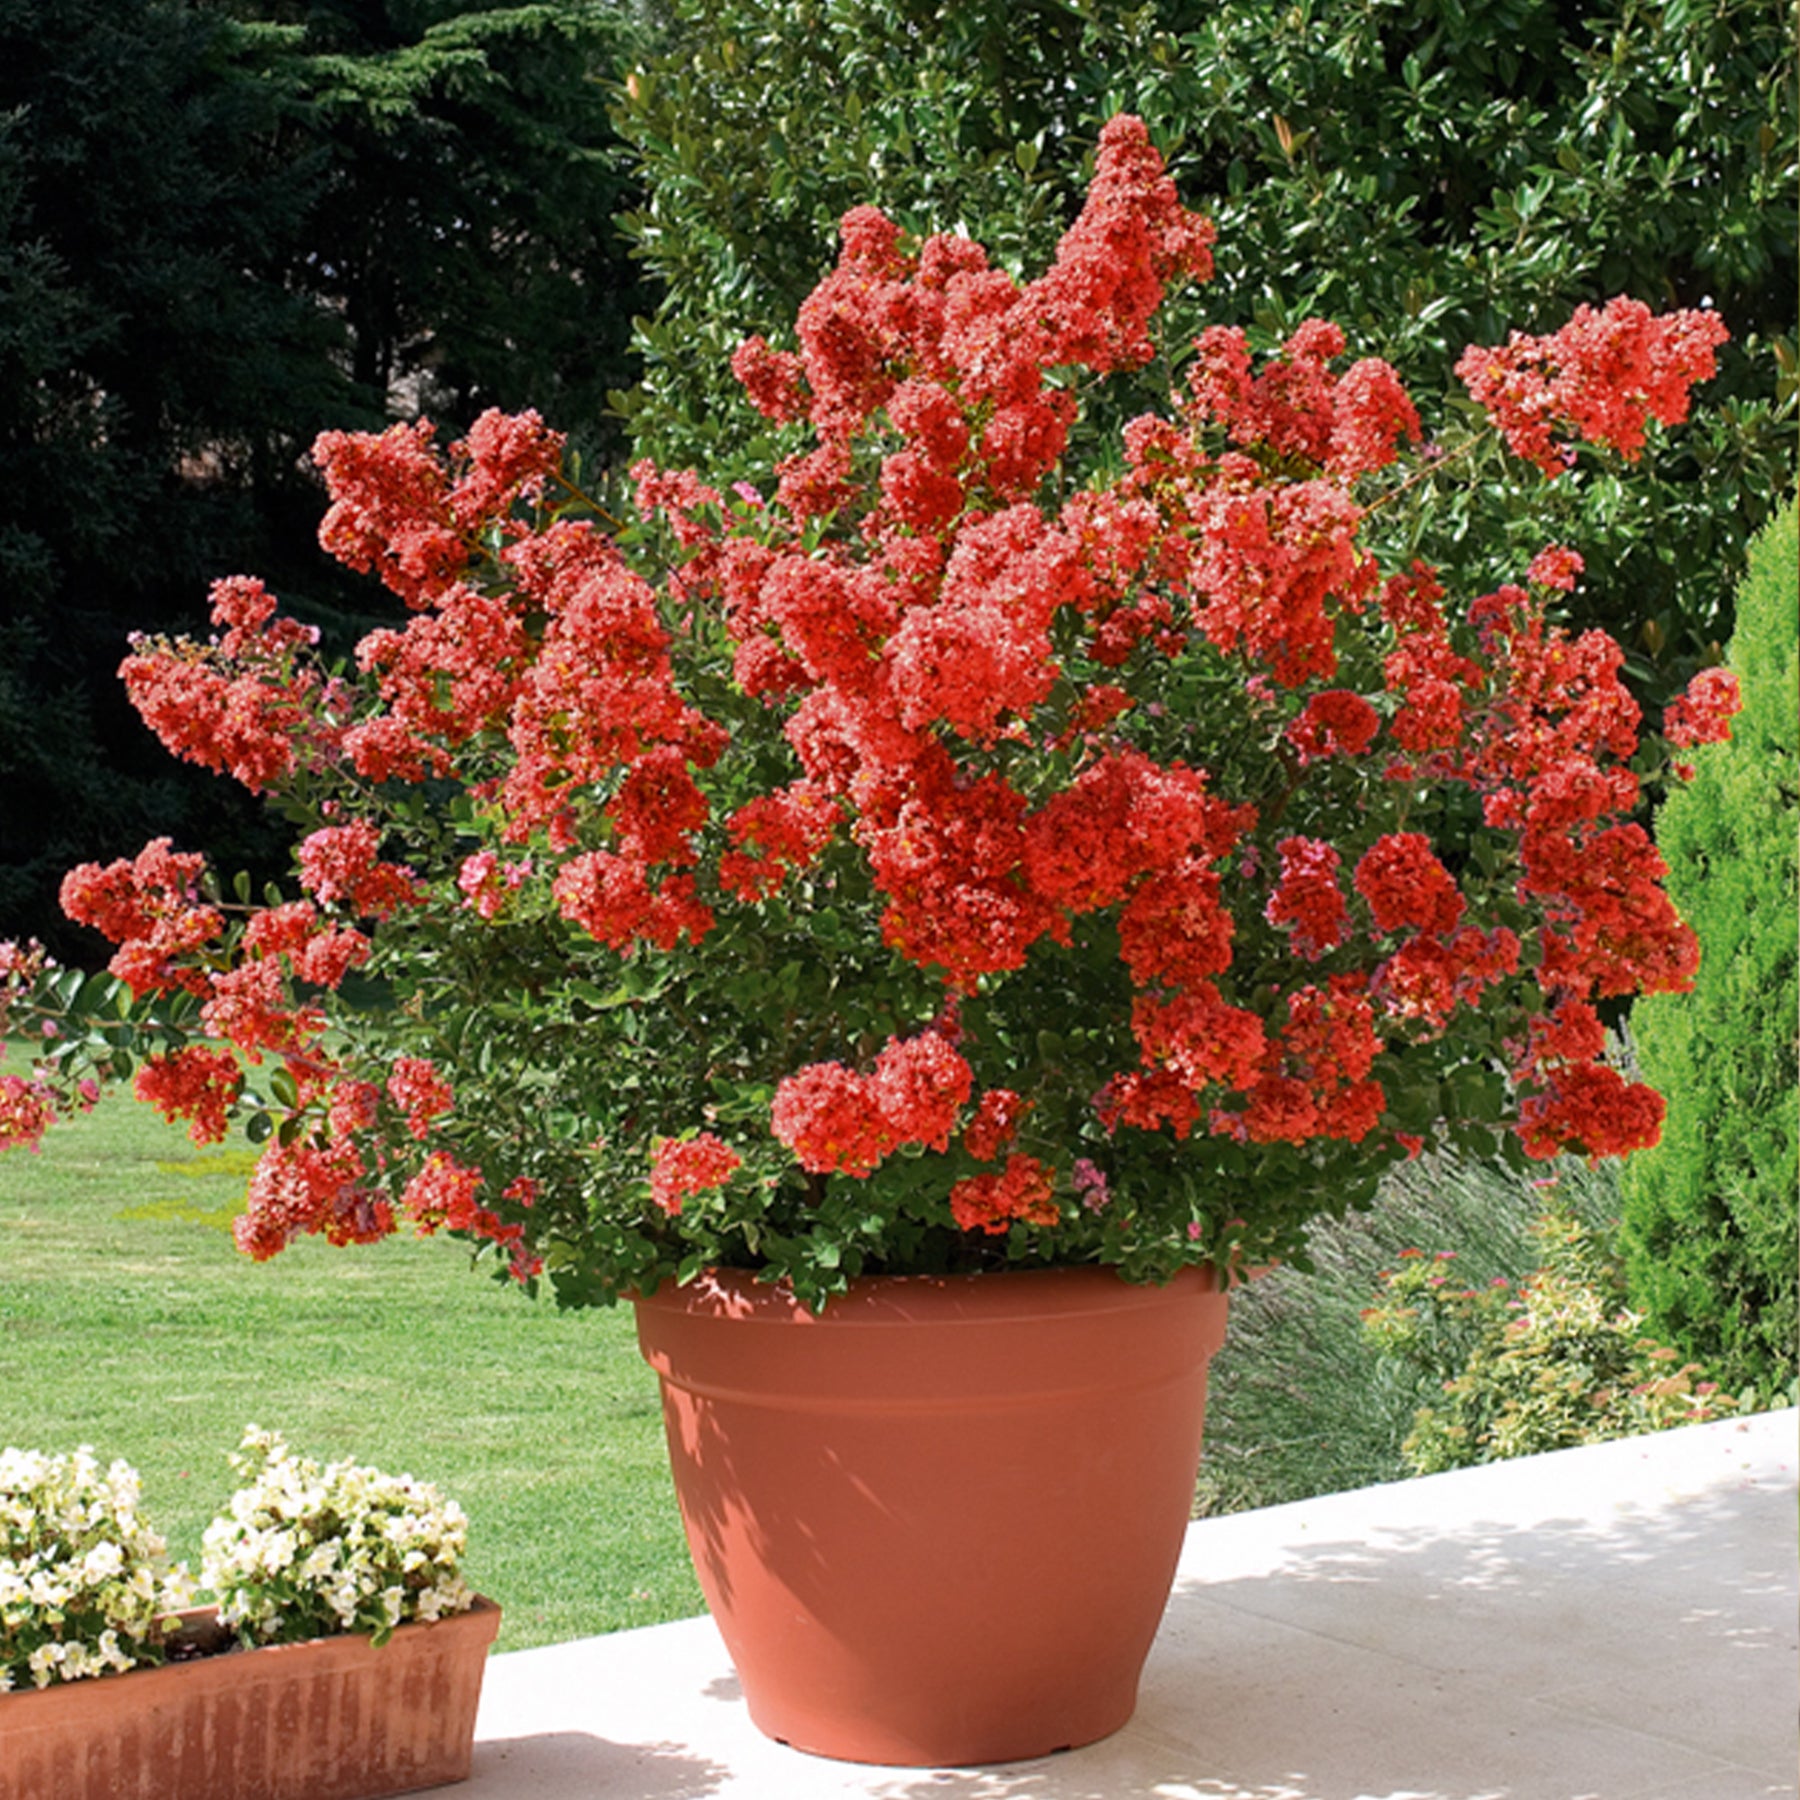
{"x": 1709, "y": 1226}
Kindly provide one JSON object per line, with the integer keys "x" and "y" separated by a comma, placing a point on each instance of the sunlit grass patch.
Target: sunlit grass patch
{"x": 129, "y": 1321}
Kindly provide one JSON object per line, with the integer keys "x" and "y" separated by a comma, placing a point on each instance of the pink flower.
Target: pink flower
{"x": 420, "y": 1092}
{"x": 27, "y": 1111}
{"x": 196, "y": 1084}
{"x": 1090, "y": 1184}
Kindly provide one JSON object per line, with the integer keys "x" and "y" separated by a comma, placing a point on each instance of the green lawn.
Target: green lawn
{"x": 129, "y": 1321}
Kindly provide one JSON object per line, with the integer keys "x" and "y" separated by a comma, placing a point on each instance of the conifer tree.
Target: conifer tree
{"x": 1709, "y": 1227}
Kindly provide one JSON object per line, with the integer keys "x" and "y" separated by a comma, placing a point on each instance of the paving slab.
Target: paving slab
{"x": 1617, "y": 1622}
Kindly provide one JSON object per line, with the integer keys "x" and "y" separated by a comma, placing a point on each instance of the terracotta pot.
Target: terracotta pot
{"x": 333, "y": 1719}
{"x": 936, "y": 1524}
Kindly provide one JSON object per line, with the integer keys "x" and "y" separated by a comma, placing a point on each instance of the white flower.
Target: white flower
{"x": 307, "y": 1550}
{"x": 102, "y": 1563}
{"x": 83, "y": 1581}
{"x": 320, "y": 1563}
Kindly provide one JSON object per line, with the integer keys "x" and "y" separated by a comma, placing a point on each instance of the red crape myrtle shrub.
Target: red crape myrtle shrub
{"x": 982, "y": 844}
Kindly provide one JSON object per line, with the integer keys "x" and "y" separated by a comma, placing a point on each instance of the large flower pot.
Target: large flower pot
{"x": 333, "y": 1719}
{"x": 936, "y": 1524}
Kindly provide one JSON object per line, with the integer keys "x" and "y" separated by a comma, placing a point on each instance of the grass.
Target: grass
{"x": 129, "y": 1321}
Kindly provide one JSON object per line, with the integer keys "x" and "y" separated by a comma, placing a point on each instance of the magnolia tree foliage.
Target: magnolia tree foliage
{"x": 1427, "y": 173}
{"x": 984, "y": 841}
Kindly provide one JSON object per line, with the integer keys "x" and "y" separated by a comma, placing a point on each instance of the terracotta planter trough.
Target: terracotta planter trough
{"x": 333, "y": 1719}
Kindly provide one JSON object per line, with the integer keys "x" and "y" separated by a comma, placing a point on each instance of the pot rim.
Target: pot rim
{"x": 994, "y": 1294}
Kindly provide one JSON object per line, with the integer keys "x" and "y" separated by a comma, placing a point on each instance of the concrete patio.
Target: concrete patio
{"x": 1611, "y": 1623}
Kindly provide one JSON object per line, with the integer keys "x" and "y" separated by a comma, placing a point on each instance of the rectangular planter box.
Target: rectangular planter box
{"x": 333, "y": 1719}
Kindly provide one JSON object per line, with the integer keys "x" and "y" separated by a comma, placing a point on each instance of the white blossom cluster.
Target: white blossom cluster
{"x": 84, "y": 1584}
{"x": 309, "y": 1552}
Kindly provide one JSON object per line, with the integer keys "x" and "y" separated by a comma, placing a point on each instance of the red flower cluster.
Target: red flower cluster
{"x": 171, "y": 939}
{"x": 1424, "y": 667}
{"x": 994, "y": 1123}
{"x": 1555, "y": 566}
{"x": 445, "y": 1195}
{"x": 420, "y": 1092}
{"x": 837, "y": 1121}
{"x": 680, "y": 1167}
{"x": 251, "y": 1006}
{"x": 1704, "y": 713}
{"x": 1019, "y": 1194}
{"x": 599, "y": 699}
{"x": 1428, "y": 978}
{"x": 610, "y": 899}
{"x": 1334, "y": 723}
{"x": 1308, "y": 898}
{"x": 27, "y": 1111}
{"x": 301, "y": 1188}
{"x": 245, "y": 706}
{"x": 1274, "y": 565}
{"x": 1579, "y": 1103}
{"x": 1348, "y": 425}
{"x": 1406, "y": 886}
{"x": 397, "y": 511}
{"x": 1614, "y": 929}
{"x": 1602, "y": 377}
{"x": 774, "y": 835}
{"x": 151, "y": 907}
{"x": 486, "y": 882}
{"x": 341, "y": 864}
{"x": 1314, "y": 1080}
{"x": 319, "y": 953}
{"x": 195, "y": 1083}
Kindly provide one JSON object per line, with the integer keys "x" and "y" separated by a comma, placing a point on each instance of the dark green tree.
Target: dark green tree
{"x": 154, "y": 370}
{"x": 223, "y": 228}
{"x": 467, "y": 176}
{"x": 1427, "y": 173}
{"x": 1710, "y": 1216}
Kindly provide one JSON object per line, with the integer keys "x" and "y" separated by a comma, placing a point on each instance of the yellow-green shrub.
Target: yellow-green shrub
{"x": 1562, "y": 1362}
